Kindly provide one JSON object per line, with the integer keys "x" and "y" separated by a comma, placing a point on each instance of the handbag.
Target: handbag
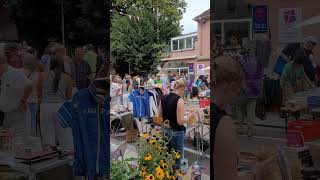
{"x": 281, "y": 62}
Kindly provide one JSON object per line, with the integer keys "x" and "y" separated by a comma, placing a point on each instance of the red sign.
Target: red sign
{"x": 260, "y": 14}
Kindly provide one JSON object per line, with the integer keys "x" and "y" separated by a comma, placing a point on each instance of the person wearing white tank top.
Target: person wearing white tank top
{"x": 56, "y": 89}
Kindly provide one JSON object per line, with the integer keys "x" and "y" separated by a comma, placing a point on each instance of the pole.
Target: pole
{"x": 158, "y": 30}
{"x": 62, "y": 22}
{"x": 129, "y": 69}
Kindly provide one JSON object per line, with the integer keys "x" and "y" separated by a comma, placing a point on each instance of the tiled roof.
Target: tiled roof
{"x": 204, "y": 15}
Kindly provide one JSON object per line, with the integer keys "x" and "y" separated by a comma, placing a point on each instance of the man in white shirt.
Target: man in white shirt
{"x": 150, "y": 82}
{"x": 114, "y": 90}
{"x": 15, "y": 90}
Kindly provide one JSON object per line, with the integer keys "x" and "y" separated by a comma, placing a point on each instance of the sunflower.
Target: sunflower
{"x": 164, "y": 165}
{"x": 178, "y": 156}
{"x": 158, "y": 169}
{"x": 149, "y": 177}
{"x": 143, "y": 172}
{"x": 152, "y": 141}
{"x": 160, "y": 173}
{"x": 145, "y": 135}
{"x": 148, "y": 157}
{"x": 178, "y": 173}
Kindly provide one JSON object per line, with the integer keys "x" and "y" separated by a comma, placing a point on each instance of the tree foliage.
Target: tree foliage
{"x": 86, "y": 21}
{"x": 139, "y": 43}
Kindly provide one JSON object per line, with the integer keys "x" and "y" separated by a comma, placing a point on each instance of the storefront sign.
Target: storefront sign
{"x": 200, "y": 69}
{"x": 260, "y": 19}
{"x": 191, "y": 67}
{"x": 288, "y": 18}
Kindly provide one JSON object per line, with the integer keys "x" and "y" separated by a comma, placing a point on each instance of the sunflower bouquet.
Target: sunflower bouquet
{"x": 155, "y": 159}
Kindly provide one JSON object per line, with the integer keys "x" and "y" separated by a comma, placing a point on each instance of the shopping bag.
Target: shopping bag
{"x": 280, "y": 65}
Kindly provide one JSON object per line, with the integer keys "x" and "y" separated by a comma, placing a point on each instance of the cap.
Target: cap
{"x": 310, "y": 39}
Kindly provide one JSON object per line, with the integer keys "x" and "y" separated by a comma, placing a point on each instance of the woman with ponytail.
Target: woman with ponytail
{"x": 56, "y": 89}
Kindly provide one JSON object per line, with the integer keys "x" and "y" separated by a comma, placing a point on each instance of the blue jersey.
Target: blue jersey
{"x": 90, "y": 127}
{"x": 141, "y": 104}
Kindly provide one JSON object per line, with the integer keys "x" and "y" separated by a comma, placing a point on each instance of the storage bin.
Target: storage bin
{"x": 309, "y": 129}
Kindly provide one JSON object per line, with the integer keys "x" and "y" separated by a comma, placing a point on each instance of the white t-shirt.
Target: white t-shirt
{"x": 114, "y": 89}
{"x": 151, "y": 82}
{"x": 13, "y": 83}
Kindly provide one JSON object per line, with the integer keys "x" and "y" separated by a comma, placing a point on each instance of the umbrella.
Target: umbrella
{"x": 311, "y": 21}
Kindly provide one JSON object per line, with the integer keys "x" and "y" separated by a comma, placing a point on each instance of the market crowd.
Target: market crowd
{"x": 34, "y": 86}
{"x": 122, "y": 86}
{"x": 242, "y": 74}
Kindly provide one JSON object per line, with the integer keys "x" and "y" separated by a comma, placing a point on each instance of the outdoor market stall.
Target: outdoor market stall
{"x": 143, "y": 119}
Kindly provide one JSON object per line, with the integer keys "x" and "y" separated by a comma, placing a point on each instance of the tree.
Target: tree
{"x": 86, "y": 21}
{"x": 140, "y": 43}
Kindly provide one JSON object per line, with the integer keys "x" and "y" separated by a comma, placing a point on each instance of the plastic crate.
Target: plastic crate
{"x": 309, "y": 129}
{"x": 204, "y": 103}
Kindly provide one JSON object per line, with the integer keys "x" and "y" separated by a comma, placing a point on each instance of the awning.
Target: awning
{"x": 179, "y": 58}
{"x": 311, "y": 21}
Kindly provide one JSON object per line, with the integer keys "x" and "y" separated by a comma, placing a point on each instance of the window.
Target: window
{"x": 182, "y": 44}
{"x": 241, "y": 28}
{"x": 223, "y": 30}
{"x": 189, "y": 43}
{"x": 175, "y": 45}
{"x": 185, "y": 43}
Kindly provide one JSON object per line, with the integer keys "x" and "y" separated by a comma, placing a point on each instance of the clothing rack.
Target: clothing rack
{"x": 101, "y": 79}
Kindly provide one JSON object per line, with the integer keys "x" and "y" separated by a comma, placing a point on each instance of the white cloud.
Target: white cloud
{"x": 194, "y": 8}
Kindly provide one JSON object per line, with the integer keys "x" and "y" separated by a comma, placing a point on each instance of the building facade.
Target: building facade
{"x": 303, "y": 10}
{"x": 190, "y": 53}
{"x": 281, "y": 20}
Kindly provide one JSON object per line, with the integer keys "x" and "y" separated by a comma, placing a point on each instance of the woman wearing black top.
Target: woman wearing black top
{"x": 172, "y": 108}
{"x": 228, "y": 79}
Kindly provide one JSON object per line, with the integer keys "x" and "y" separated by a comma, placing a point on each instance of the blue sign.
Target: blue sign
{"x": 260, "y": 19}
{"x": 191, "y": 67}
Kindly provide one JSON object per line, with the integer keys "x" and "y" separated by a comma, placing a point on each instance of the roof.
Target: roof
{"x": 179, "y": 58}
{"x": 203, "y": 16}
{"x": 185, "y": 35}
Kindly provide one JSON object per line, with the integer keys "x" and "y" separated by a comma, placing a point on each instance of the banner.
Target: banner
{"x": 200, "y": 69}
{"x": 191, "y": 67}
{"x": 288, "y": 18}
{"x": 260, "y": 19}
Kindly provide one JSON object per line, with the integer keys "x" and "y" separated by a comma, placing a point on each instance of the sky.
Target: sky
{"x": 194, "y": 8}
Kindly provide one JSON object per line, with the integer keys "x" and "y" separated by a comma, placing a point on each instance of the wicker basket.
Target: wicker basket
{"x": 157, "y": 120}
{"x": 132, "y": 135}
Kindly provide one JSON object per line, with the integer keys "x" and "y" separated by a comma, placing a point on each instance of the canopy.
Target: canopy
{"x": 311, "y": 21}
